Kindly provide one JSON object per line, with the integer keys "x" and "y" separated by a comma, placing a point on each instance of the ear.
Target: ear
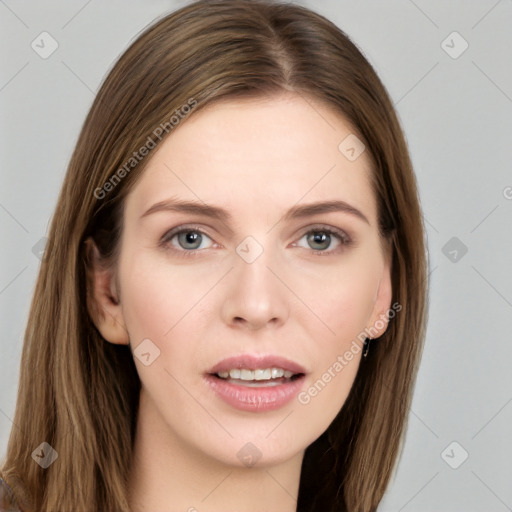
{"x": 102, "y": 298}
{"x": 379, "y": 318}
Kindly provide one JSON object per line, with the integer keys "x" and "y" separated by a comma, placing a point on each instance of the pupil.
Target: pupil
{"x": 191, "y": 238}
{"x": 322, "y": 239}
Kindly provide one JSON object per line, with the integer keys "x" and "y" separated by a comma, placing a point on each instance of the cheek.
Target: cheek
{"x": 344, "y": 305}
{"x": 344, "y": 302}
{"x": 343, "y": 299}
{"x": 155, "y": 298}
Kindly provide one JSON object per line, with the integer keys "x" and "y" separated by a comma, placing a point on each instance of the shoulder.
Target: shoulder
{"x": 7, "y": 499}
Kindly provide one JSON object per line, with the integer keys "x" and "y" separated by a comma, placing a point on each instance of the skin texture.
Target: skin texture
{"x": 255, "y": 158}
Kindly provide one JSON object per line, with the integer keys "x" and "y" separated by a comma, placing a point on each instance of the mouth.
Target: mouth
{"x": 256, "y": 383}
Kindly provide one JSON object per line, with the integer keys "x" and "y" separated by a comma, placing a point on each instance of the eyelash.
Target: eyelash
{"x": 344, "y": 239}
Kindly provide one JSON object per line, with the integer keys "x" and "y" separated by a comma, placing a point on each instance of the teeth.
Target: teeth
{"x": 265, "y": 374}
{"x": 262, "y": 374}
{"x": 276, "y": 373}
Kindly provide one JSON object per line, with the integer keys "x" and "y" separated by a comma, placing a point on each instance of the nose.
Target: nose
{"x": 255, "y": 296}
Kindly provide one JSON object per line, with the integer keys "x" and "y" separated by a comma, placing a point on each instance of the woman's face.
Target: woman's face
{"x": 256, "y": 280}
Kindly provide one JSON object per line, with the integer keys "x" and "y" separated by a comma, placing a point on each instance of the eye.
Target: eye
{"x": 189, "y": 240}
{"x": 186, "y": 239}
{"x": 322, "y": 238}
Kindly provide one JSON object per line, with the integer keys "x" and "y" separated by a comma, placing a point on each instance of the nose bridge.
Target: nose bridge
{"x": 255, "y": 296}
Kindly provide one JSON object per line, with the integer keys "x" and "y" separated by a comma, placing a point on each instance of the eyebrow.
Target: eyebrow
{"x": 215, "y": 212}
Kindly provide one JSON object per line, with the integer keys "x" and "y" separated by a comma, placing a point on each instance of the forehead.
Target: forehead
{"x": 262, "y": 152}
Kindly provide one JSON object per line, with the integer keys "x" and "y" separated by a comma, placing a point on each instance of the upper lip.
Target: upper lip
{"x": 255, "y": 362}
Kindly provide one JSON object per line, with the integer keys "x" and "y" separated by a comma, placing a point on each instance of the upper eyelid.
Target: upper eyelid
{"x": 184, "y": 227}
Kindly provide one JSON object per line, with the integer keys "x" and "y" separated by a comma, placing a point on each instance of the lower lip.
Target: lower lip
{"x": 255, "y": 399}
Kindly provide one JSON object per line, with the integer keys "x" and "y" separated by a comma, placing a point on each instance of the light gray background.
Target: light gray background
{"x": 457, "y": 115}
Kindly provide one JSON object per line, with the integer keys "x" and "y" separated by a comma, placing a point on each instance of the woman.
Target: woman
{"x": 231, "y": 308}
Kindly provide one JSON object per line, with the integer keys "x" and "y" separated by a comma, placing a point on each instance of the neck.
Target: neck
{"x": 168, "y": 474}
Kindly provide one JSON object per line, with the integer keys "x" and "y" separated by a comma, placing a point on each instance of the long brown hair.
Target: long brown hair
{"x": 79, "y": 393}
